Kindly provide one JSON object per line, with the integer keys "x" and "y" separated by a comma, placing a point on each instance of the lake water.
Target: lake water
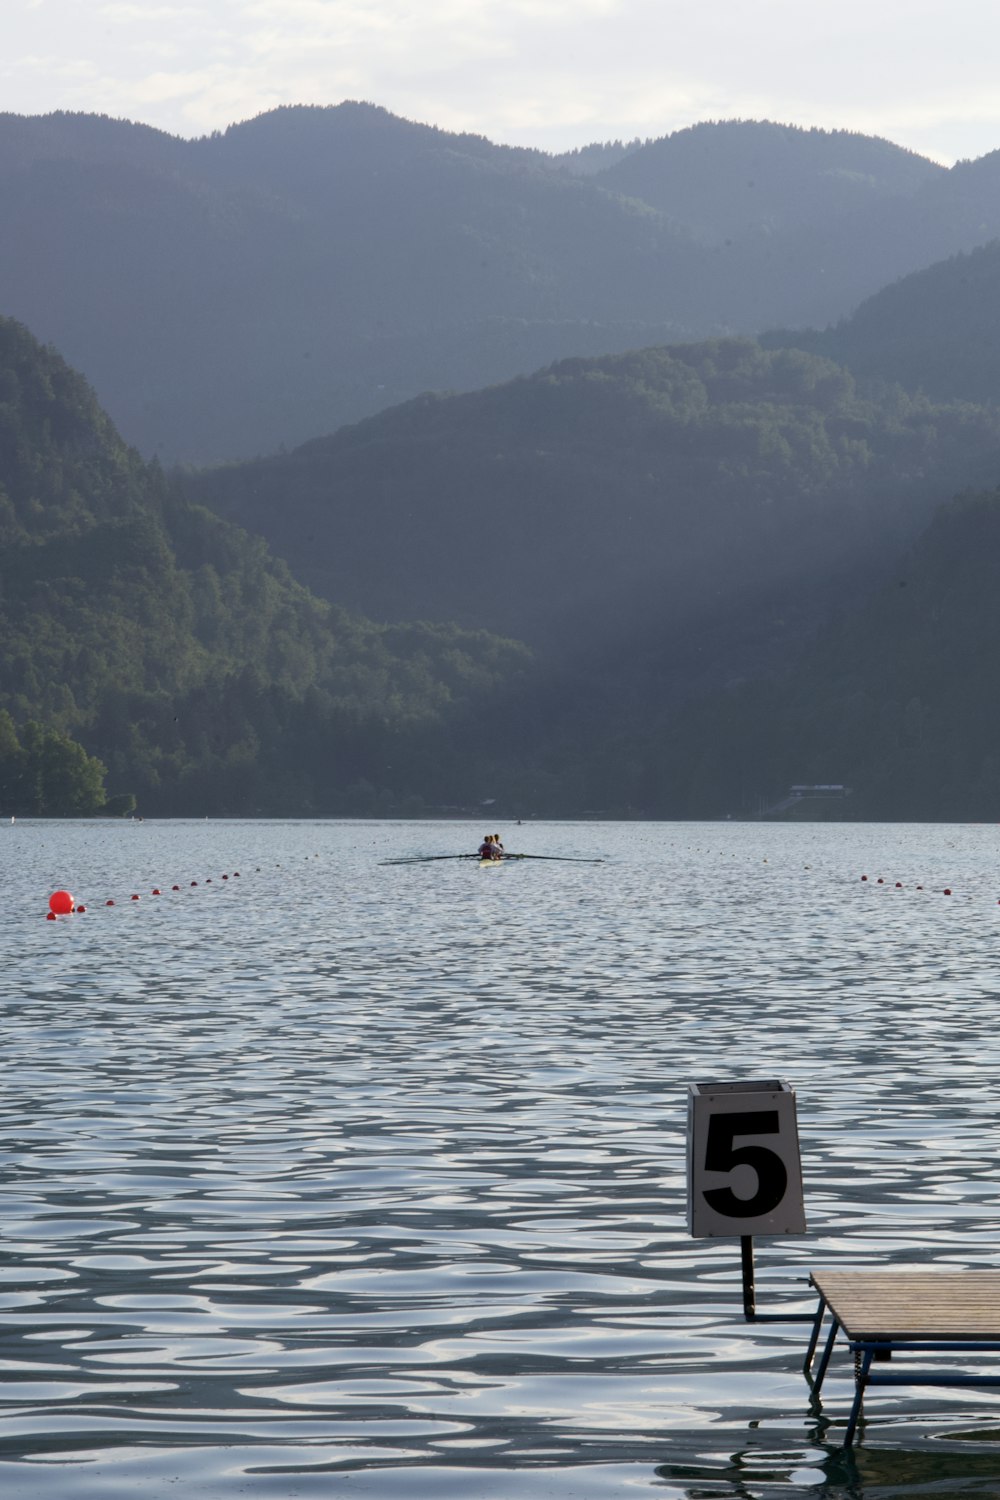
{"x": 338, "y": 1178}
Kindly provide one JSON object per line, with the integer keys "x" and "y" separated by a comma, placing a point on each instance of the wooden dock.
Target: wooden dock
{"x": 885, "y": 1313}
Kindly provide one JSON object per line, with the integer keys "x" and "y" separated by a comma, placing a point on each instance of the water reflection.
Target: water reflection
{"x": 379, "y": 1172}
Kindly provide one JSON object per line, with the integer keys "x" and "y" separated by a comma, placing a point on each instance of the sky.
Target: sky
{"x": 548, "y": 73}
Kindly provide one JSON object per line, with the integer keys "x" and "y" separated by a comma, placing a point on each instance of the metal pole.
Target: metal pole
{"x": 749, "y": 1294}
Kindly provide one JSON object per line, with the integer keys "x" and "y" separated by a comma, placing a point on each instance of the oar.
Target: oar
{"x": 425, "y": 859}
{"x": 574, "y": 859}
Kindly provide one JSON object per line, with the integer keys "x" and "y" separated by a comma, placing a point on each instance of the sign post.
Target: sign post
{"x": 744, "y": 1168}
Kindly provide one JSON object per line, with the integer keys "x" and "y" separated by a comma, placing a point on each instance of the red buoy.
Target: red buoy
{"x": 156, "y": 890}
{"x": 60, "y": 903}
{"x": 109, "y": 903}
{"x": 175, "y": 887}
{"x": 133, "y": 898}
{"x": 947, "y": 890}
{"x": 81, "y": 908}
{"x": 50, "y": 916}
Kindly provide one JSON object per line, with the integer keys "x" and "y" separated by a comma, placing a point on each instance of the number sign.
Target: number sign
{"x": 744, "y": 1173}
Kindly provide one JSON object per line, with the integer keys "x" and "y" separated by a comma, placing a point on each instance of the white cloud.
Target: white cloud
{"x": 157, "y": 15}
{"x": 544, "y": 72}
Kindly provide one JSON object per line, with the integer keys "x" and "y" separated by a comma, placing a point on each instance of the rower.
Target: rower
{"x": 488, "y": 849}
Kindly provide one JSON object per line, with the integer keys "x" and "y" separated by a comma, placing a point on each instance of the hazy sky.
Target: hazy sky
{"x": 549, "y": 73}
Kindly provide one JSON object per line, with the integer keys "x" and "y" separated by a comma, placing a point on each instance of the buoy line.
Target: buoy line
{"x": 62, "y": 903}
{"x": 899, "y": 886}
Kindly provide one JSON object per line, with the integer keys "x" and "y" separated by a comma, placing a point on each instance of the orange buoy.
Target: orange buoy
{"x": 60, "y": 903}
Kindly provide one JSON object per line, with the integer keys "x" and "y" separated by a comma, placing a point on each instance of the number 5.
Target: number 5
{"x": 722, "y": 1156}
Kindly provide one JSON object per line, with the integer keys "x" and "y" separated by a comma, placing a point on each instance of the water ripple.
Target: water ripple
{"x": 350, "y": 1169}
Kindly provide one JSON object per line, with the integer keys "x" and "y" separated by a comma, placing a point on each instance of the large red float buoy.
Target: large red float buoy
{"x": 61, "y": 903}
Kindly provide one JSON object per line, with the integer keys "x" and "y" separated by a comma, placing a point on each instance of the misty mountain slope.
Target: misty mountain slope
{"x": 899, "y": 701}
{"x": 937, "y": 330}
{"x": 175, "y": 647}
{"x": 313, "y": 266}
{"x": 744, "y": 178}
{"x": 820, "y": 273}
{"x": 602, "y": 502}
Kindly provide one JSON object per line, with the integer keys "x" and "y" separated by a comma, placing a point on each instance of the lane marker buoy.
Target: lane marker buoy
{"x": 61, "y": 902}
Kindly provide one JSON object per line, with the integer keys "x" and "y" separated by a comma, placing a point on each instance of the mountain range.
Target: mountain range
{"x": 669, "y": 574}
{"x": 267, "y": 284}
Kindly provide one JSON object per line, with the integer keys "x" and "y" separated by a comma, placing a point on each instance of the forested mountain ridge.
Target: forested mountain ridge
{"x": 601, "y": 505}
{"x": 304, "y": 269}
{"x": 746, "y": 178}
{"x": 174, "y": 647}
{"x": 936, "y": 331}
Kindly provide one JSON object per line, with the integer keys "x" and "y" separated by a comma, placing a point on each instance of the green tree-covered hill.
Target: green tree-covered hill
{"x": 606, "y": 506}
{"x": 178, "y": 651}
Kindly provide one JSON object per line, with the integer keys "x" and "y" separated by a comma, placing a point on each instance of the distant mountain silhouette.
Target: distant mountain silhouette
{"x": 742, "y": 178}
{"x": 819, "y": 273}
{"x": 313, "y": 266}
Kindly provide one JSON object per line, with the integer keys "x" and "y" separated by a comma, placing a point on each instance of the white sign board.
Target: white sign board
{"x": 744, "y": 1170}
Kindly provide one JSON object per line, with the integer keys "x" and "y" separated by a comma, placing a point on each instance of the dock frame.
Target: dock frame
{"x": 888, "y": 1313}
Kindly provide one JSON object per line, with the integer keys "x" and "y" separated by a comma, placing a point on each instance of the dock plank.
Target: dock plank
{"x": 905, "y": 1304}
